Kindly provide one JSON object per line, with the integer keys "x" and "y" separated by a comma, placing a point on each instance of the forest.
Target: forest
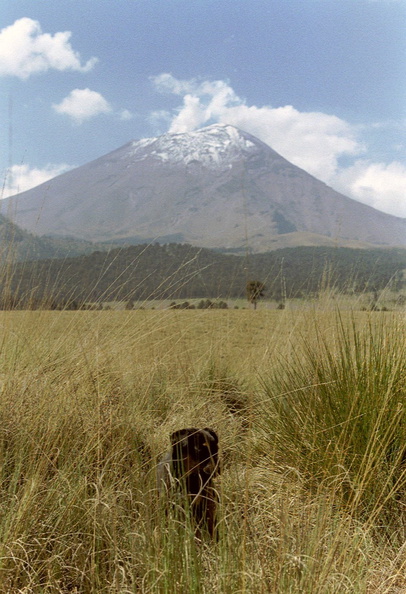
{"x": 181, "y": 271}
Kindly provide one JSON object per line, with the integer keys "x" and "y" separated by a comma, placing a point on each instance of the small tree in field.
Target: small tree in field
{"x": 255, "y": 290}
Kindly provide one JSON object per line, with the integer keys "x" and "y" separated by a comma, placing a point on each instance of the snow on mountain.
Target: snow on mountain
{"x": 212, "y": 147}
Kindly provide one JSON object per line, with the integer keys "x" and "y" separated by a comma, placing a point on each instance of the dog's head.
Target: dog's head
{"x": 195, "y": 451}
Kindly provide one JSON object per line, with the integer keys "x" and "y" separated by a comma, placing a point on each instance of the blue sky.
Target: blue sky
{"x": 321, "y": 81}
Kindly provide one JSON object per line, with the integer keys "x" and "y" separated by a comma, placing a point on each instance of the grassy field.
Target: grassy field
{"x": 310, "y": 409}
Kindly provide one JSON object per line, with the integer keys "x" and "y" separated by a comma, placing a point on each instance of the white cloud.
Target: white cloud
{"x": 166, "y": 81}
{"x": 125, "y": 114}
{"x": 314, "y": 141}
{"x": 191, "y": 116}
{"x": 83, "y": 104}
{"x": 20, "y": 178}
{"x": 311, "y": 140}
{"x": 25, "y": 50}
{"x": 159, "y": 118}
{"x": 381, "y": 185}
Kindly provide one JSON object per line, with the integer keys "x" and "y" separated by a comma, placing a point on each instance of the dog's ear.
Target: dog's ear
{"x": 212, "y": 434}
{"x": 214, "y": 448}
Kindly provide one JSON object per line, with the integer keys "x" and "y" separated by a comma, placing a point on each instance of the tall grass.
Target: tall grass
{"x": 337, "y": 412}
{"x": 309, "y": 407}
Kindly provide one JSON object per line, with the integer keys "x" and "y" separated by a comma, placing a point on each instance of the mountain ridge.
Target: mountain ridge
{"x": 217, "y": 187}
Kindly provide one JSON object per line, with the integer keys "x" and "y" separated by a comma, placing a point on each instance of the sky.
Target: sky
{"x": 323, "y": 82}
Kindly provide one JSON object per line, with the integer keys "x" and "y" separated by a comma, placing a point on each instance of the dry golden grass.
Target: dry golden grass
{"x": 88, "y": 400}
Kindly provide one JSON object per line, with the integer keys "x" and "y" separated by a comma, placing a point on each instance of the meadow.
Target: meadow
{"x": 309, "y": 405}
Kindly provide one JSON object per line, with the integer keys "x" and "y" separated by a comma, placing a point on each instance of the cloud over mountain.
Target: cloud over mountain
{"x": 25, "y": 50}
{"x": 311, "y": 140}
{"x": 83, "y": 104}
{"x": 381, "y": 185}
{"x": 20, "y": 178}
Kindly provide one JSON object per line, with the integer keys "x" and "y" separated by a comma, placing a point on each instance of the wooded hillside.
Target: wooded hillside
{"x": 176, "y": 271}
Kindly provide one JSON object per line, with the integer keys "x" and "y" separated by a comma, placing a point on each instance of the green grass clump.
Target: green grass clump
{"x": 336, "y": 412}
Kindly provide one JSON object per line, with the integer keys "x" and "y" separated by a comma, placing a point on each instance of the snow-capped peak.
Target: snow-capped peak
{"x": 214, "y": 147}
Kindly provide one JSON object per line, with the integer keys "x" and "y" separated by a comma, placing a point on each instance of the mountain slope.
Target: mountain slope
{"x": 216, "y": 187}
{"x": 19, "y": 245}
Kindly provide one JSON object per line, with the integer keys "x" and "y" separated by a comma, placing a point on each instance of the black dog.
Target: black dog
{"x": 188, "y": 469}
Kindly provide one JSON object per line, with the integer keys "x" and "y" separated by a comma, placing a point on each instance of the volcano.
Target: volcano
{"x": 217, "y": 187}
